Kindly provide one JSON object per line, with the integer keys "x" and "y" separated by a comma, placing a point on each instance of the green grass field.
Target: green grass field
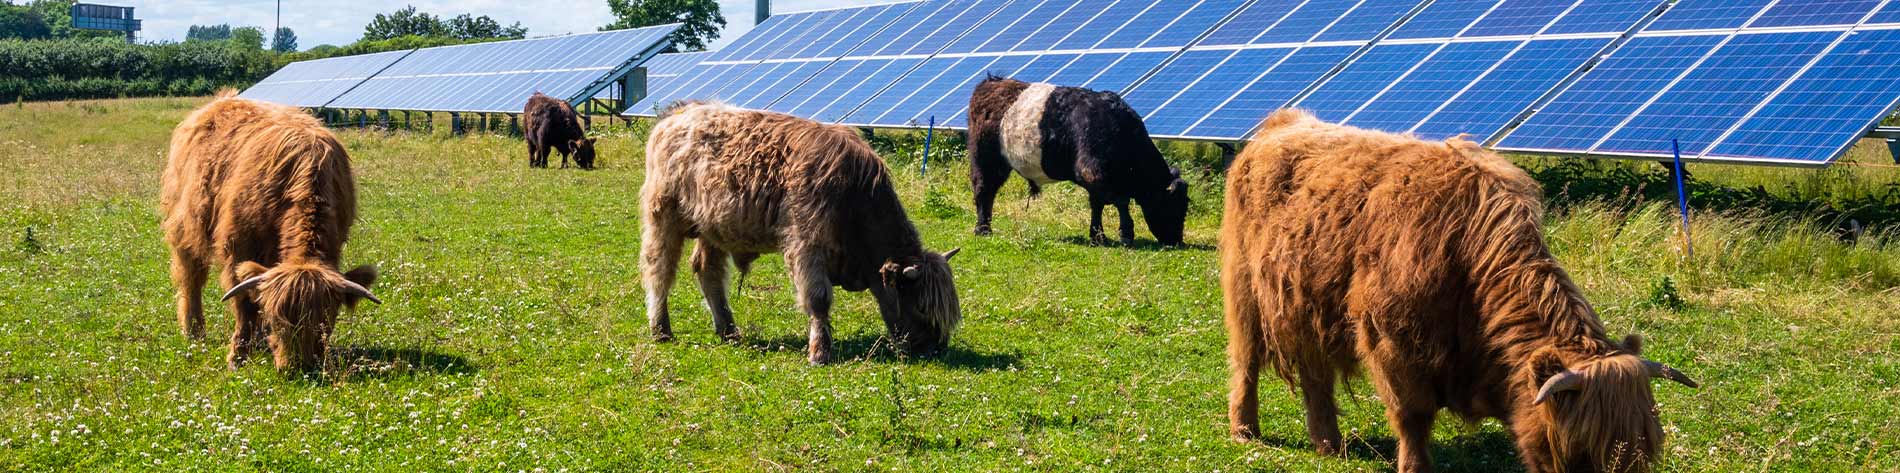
{"x": 513, "y": 336}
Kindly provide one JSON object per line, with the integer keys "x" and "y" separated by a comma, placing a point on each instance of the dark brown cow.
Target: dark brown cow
{"x": 552, "y": 125}
{"x": 1048, "y": 134}
{"x": 265, "y": 192}
{"x": 1424, "y": 263}
{"x": 747, "y": 182}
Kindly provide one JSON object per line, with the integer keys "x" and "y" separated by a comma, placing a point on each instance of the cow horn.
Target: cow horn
{"x": 1659, "y": 370}
{"x": 950, "y": 254}
{"x": 911, "y": 272}
{"x": 1565, "y": 381}
{"x": 354, "y": 289}
{"x": 243, "y": 286}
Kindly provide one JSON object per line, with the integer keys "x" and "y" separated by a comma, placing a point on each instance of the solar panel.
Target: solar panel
{"x": 499, "y": 76}
{"x": 1402, "y": 83}
{"x": 1727, "y": 94}
{"x": 315, "y": 83}
{"x": 1178, "y": 108}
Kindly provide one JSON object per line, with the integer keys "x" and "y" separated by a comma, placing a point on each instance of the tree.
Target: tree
{"x": 20, "y": 22}
{"x": 248, "y": 38}
{"x": 466, "y": 26}
{"x": 404, "y": 22}
{"x": 285, "y": 41}
{"x": 208, "y": 33}
{"x": 701, "y": 17}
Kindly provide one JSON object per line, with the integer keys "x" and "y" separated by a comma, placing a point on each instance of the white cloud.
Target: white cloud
{"x": 340, "y": 22}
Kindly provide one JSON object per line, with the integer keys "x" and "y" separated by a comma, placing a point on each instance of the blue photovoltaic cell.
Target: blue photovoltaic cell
{"x": 669, "y": 65}
{"x": 1183, "y": 72}
{"x": 760, "y": 35}
{"x": 317, "y": 82}
{"x": 1706, "y": 14}
{"x": 973, "y": 14}
{"x": 1828, "y": 108}
{"x": 813, "y": 27}
{"x": 1269, "y": 92}
{"x": 1888, "y": 14}
{"x": 1509, "y": 89}
{"x": 987, "y": 32}
{"x": 1604, "y": 16}
{"x": 1443, "y": 19}
{"x": 1173, "y": 113}
{"x": 785, "y": 28}
{"x": 899, "y": 90}
{"x": 1192, "y": 24}
{"x": 1815, "y": 12}
{"x": 1359, "y": 81}
{"x": 1145, "y": 25}
{"x": 845, "y": 97}
{"x": 1069, "y": 22}
{"x": 1104, "y": 24}
{"x": 1410, "y": 99}
{"x": 914, "y": 27}
{"x": 1589, "y": 109}
{"x": 1718, "y": 93}
{"x": 1367, "y": 20}
{"x": 1250, "y": 22}
{"x": 499, "y": 76}
{"x": 1116, "y": 78}
{"x": 872, "y": 26}
{"x": 1043, "y": 67}
{"x": 1079, "y": 71}
{"x": 799, "y": 101}
{"x": 1306, "y": 22}
{"x": 782, "y": 82}
{"x": 1518, "y": 17}
{"x": 1045, "y": 12}
{"x": 838, "y": 25}
{"x": 953, "y": 96}
{"x": 914, "y": 99}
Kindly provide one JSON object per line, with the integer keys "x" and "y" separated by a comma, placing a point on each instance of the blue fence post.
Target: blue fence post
{"x": 1682, "y": 199}
{"x": 930, "y": 134}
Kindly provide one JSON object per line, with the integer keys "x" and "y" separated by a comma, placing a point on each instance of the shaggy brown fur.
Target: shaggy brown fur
{"x": 265, "y": 192}
{"x": 1424, "y": 263}
{"x": 746, "y": 182}
{"x": 550, "y": 124}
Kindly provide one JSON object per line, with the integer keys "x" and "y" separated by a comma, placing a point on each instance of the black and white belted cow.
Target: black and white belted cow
{"x": 1049, "y": 133}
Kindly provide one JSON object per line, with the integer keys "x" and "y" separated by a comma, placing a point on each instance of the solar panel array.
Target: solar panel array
{"x": 1780, "y": 81}
{"x": 316, "y": 82}
{"x": 1793, "y": 82}
{"x": 481, "y": 77}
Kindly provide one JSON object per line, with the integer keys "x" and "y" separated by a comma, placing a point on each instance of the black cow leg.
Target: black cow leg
{"x": 1127, "y": 223}
{"x": 986, "y": 179}
{"x": 1096, "y": 235}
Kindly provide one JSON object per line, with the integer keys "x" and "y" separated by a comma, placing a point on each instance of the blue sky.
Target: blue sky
{"x": 340, "y": 22}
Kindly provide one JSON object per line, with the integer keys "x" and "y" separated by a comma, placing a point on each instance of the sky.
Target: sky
{"x": 341, "y": 22}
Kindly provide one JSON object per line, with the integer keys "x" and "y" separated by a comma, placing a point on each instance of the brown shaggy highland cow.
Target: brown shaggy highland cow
{"x": 1423, "y": 263}
{"x": 550, "y": 124}
{"x": 747, "y": 182}
{"x": 265, "y": 192}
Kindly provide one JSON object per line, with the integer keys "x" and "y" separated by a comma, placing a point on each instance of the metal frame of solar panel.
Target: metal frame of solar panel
{"x": 315, "y": 83}
{"x": 498, "y": 77}
{"x": 1756, "y": 81}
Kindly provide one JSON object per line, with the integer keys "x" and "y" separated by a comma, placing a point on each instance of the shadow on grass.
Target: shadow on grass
{"x": 1487, "y": 451}
{"x": 1141, "y": 244}
{"x": 1568, "y": 182}
{"x": 874, "y": 347}
{"x": 360, "y": 363}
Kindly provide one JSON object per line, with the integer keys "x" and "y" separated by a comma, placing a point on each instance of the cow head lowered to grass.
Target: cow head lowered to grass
{"x": 746, "y": 182}
{"x": 1049, "y": 133}
{"x": 265, "y": 192}
{"x": 1424, "y": 264}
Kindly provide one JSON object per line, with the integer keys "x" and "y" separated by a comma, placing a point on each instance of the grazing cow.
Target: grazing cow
{"x": 1423, "y": 263}
{"x": 1048, "y": 133}
{"x": 265, "y": 192}
{"x": 551, "y": 124}
{"x": 746, "y": 182}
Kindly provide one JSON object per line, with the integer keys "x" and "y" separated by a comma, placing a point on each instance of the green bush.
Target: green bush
{"x": 103, "y": 68}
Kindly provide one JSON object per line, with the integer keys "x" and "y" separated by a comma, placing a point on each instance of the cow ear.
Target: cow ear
{"x": 364, "y": 275}
{"x": 250, "y": 269}
{"x": 1545, "y": 363}
{"x": 1633, "y": 343}
{"x": 891, "y": 273}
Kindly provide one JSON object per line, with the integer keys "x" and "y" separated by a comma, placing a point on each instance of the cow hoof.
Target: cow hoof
{"x": 1243, "y": 434}
{"x": 662, "y": 337}
{"x": 820, "y": 359}
{"x": 983, "y": 231}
